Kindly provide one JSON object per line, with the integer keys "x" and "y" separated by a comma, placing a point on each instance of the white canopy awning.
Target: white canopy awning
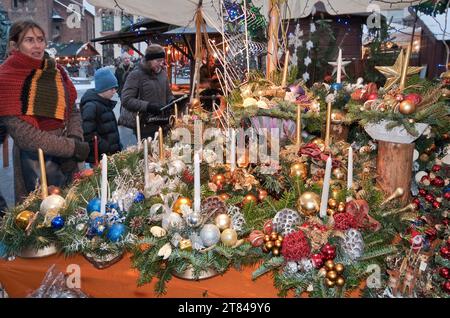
{"x": 181, "y": 12}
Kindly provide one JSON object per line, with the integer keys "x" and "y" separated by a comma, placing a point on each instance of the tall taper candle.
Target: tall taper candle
{"x": 43, "y": 174}
{"x": 328, "y": 126}
{"x": 138, "y": 130}
{"x": 233, "y": 150}
{"x": 145, "y": 163}
{"x": 339, "y": 67}
{"x": 325, "y": 189}
{"x": 161, "y": 144}
{"x": 350, "y": 168}
{"x": 196, "y": 182}
{"x": 104, "y": 185}
{"x": 299, "y": 126}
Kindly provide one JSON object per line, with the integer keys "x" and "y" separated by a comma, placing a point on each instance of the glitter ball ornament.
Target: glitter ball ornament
{"x": 53, "y": 202}
{"x": 353, "y": 244}
{"x": 229, "y": 237}
{"x": 286, "y": 221}
{"x": 291, "y": 267}
{"x": 210, "y": 234}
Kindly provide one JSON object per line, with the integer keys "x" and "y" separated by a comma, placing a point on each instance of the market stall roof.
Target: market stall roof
{"x": 79, "y": 49}
{"x": 181, "y": 13}
{"x": 186, "y": 30}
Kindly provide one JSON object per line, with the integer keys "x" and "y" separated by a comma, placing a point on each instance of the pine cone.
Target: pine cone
{"x": 187, "y": 176}
{"x": 212, "y": 206}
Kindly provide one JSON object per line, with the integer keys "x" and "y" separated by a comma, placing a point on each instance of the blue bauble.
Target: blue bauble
{"x": 447, "y": 189}
{"x": 94, "y": 205}
{"x": 97, "y": 226}
{"x": 57, "y": 222}
{"x": 116, "y": 231}
{"x": 139, "y": 197}
{"x": 336, "y": 86}
{"x": 112, "y": 206}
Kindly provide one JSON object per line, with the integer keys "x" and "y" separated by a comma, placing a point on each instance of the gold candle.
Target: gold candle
{"x": 161, "y": 144}
{"x": 405, "y": 67}
{"x": 285, "y": 68}
{"x": 43, "y": 174}
{"x": 328, "y": 126}
{"x": 299, "y": 125}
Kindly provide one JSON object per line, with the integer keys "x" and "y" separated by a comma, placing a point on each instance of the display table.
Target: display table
{"x": 21, "y": 276}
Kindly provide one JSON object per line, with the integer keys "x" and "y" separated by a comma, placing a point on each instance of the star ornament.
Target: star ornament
{"x": 394, "y": 72}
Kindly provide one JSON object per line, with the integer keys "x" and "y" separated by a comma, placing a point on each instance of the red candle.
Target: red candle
{"x": 96, "y": 150}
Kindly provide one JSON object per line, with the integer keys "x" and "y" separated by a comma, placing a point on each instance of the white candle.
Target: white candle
{"x": 196, "y": 182}
{"x": 104, "y": 188}
{"x": 339, "y": 67}
{"x": 145, "y": 163}
{"x": 138, "y": 130}
{"x": 325, "y": 189}
{"x": 233, "y": 150}
{"x": 350, "y": 168}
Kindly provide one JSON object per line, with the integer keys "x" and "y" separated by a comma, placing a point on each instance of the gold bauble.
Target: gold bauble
{"x": 274, "y": 236}
{"x": 300, "y": 170}
{"x": 269, "y": 245}
{"x": 218, "y": 179}
{"x": 339, "y": 268}
{"x": 309, "y": 203}
{"x": 329, "y": 283}
{"x": 332, "y": 203}
{"x": 341, "y": 207}
{"x": 249, "y": 198}
{"x": 332, "y": 275}
{"x": 319, "y": 142}
{"x": 329, "y": 265}
{"x": 335, "y": 193}
{"x": 338, "y": 173}
{"x": 340, "y": 281}
{"x": 53, "y": 190}
{"x": 280, "y": 238}
{"x": 277, "y": 243}
{"x": 275, "y": 251}
{"x": 266, "y": 238}
{"x": 224, "y": 196}
{"x": 330, "y": 212}
{"x": 322, "y": 272}
{"x": 23, "y": 219}
{"x": 424, "y": 157}
{"x": 228, "y": 237}
{"x": 223, "y": 221}
{"x": 262, "y": 194}
{"x": 407, "y": 107}
{"x": 179, "y": 202}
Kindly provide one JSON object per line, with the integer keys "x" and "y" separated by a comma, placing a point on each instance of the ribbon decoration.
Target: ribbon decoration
{"x": 359, "y": 209}
{"x": 313, "y": 151}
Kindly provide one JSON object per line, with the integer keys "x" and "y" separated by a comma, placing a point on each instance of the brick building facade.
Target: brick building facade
{"x": 56, "y": 19}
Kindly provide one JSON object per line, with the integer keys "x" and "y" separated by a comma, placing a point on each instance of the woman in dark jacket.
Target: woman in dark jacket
{"x": 98, "y": 116}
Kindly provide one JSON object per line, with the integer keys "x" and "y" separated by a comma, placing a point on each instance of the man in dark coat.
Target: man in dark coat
{"x": 122, "y": 71}
{"x": 98, "y": 117}
{"x": 146, "y": 91}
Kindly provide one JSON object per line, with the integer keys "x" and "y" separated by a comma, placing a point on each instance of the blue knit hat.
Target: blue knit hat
{"x": 104, "y": 80}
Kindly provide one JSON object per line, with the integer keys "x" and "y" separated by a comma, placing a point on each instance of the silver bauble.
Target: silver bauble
{"x": 210, "y": 235}
{"x": 172, "y": 220}
{"x": 194, "y": 219}
{"x": 53, "y": 202}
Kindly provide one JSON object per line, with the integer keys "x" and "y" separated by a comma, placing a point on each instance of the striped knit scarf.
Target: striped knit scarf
{"x": 38, "y": 91}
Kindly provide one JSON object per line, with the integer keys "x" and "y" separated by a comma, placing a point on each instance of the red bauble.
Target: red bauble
{"x": 436, "y": 168}
{"x": 372, "y": 96}
{"x": 317, "y": 260}
{"x": 187, "y": 176}
{"x": 438, "y": 182}
{"x": 445, "y": 252}
{"x": 446, "y": 287}
{"x": 422, "y": 192}
{"x": 328, "y": 251}
{"x": 429, "y": 197}
{"x": 399, "y": 97}
{"x": 445, "y": 272}
{"x": 436, "y": 205}
{"x": 414, "y": 98}
{"x": 416, "y": 201}
{"x": 427, "y": 177}
{"x": 268, "y": 227}
{"x": 447, "y": 195}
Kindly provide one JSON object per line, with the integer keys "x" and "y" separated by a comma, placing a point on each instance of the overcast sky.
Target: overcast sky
{"x": 89, "y": 7}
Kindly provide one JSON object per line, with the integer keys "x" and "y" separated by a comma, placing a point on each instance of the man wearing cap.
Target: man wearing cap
{"x": 146, "y": 91}
{"x": 98, "y": 117}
